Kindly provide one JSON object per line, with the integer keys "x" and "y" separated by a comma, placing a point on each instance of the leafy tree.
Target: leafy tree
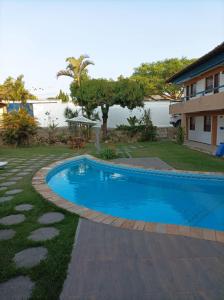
{"x": 153, "y": 77}
{"x": 14, "y": 90}
{"x": 94, "y": 93}
{"x": 105, "y": 93}
{"x": 128, "y": 93}
{"x": 62, "y": 96}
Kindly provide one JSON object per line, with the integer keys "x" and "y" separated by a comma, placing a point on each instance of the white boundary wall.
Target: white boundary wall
{"x": 117, "y": 115}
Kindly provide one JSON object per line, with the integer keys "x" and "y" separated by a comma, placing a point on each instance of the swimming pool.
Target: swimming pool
{"x": 149, "y": 195}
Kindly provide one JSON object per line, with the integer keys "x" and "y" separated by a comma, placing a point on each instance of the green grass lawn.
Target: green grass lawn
{"x": 50, "y": 274}
{"x": 180, "y": 157}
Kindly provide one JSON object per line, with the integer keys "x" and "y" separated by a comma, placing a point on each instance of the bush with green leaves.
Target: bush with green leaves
{"x": 143, "y": 127}
{"x": 180, "y": 135}
{"x": 18, "y": 127}
{"x": 108, "y": 153}
{"x": 147, "y": 129}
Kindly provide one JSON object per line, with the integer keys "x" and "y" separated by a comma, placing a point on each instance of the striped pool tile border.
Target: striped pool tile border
{"x": 40, "y": 185}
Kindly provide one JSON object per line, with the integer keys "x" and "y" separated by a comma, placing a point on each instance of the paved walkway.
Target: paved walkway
{"x": 119, "y": 264}
{"x": 210, "y": 149}
{"x": 148, "y": 162}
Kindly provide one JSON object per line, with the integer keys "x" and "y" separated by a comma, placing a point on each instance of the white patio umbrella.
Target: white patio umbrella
{"x": 81, "y": 120}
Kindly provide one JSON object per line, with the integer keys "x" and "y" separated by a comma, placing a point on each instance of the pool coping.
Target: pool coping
{"x": 40, "y": 185}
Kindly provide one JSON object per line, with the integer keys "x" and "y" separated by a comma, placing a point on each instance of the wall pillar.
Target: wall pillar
{"x": 214, "y": 130}
{"x": 184, "y": 124}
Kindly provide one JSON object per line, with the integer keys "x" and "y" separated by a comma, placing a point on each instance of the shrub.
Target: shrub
{"x": 142, "y": 128}
{"x": 62, "y": 138}
{"x": 132, "y": 121}
{"x": 148, "y": 131}
{"x": 18, "y": 127}
{"x": 108, "y": 153}
{"x": 52, "y": 129}
{"x": 180, "y": 135}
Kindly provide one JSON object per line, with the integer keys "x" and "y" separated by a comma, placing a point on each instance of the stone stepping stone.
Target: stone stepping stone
{"x": 7, "y": 183}
{"x": 17, "y": 288}
{"x": 14, "y": 192}
{"x": 30, "y": 257}
{"x": 7, "y": 174}
{"x": 12, "y": 219}
{"x": 17, "y": 178}
{"x": 43, "y": 234}
{"x": 13, "y": 171}
{"x": 50, "y": 218}
{"x": 6, "y": 234}
{"x": 5, "y": 199}
{"x": 24, "y": 207}
{"x": 3, "y": 188}
{"x": 23, "y": 173}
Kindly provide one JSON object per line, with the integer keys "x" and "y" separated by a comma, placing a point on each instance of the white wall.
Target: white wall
{"x": 199, "y": 135}
{"x": 117, "y": 115}
{"x": 56, "y": 112}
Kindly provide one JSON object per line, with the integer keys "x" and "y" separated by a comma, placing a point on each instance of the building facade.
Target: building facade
{"x": 202, "y": 107}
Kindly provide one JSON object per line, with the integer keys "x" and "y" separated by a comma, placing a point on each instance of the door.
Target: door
{"x": 220, "y": 130}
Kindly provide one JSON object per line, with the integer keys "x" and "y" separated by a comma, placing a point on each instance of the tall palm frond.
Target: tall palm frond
{"x": 76, "y": 67}
{"x": 65, "y": 73}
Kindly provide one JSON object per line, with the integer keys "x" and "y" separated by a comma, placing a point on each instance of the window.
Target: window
{"x": 207, "y": 123}
{"x": 187, "y": 92}
{"x": 209, "y": 84}
{"x": 192, "y": 123}
{"x": 193, "y": 89}
{"x": 216, "y": 83}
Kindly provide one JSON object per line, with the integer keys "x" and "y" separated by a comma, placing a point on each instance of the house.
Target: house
{"x": 202, "y": 107}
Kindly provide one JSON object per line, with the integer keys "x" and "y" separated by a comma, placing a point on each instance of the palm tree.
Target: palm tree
{"x": 76, "y": 68}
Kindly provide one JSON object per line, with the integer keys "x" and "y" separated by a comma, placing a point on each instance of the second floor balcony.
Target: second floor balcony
{"x": 201, "y": 104}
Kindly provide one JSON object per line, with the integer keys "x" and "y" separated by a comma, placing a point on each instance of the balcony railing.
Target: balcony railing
{"x": 209, "y": 102}
{"x": 215, "y": 90}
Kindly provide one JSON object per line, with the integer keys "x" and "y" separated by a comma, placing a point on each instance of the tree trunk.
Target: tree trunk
{"x": 104, "y": 128}
{"x": 105, "y": 110}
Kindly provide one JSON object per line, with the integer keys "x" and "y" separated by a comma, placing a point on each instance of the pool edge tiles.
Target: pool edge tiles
{"x": 40, "y": 184}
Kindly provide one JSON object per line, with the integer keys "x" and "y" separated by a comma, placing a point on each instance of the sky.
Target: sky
{"x": 118, "y": 35}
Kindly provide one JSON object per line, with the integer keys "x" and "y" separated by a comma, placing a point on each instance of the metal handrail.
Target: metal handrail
{"x": 202, "y": 93}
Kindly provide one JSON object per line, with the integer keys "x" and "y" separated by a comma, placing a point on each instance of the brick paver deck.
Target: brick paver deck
{"x": 119, "y": 264}
{"x": 147, "y": 162}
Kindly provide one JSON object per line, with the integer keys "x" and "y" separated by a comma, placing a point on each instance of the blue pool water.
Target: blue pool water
{"x": 153, "y": 196}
